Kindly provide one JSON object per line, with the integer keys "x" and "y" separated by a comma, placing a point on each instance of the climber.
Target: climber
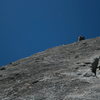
{"x": 80, "y": 38}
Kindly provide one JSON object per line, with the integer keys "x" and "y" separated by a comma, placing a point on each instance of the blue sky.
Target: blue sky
{"x": 31, "y": 26}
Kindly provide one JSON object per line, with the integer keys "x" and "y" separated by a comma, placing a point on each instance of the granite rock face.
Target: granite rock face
{"x": 60, "y": 73}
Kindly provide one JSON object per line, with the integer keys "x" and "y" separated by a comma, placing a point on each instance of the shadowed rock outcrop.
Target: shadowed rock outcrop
{"x": 59, "y": 73}
{"x": 94, "y": 65}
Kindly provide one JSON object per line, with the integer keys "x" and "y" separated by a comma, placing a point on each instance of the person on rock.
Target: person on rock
{"x": 80, "y": 38}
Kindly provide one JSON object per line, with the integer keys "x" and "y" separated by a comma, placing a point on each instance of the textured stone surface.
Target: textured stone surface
{"x": 60, "y": 73}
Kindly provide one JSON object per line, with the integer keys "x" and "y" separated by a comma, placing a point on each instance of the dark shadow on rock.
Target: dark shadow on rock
{"x": 35, "y": 81}
{"x": 2, "y": 68}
